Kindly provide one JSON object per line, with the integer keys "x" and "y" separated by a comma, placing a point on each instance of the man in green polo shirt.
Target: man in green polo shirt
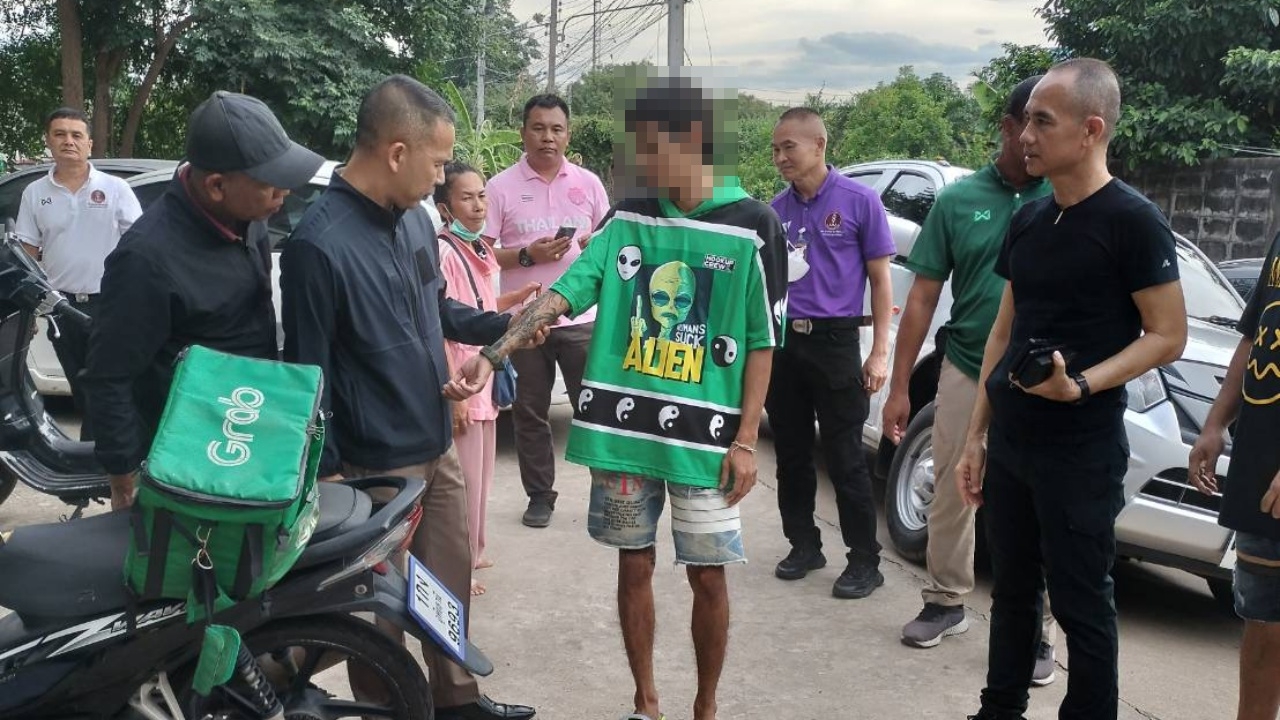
{"x": 960, "y": 239}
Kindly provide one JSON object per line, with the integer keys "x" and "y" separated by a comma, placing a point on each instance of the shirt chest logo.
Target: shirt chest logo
{"x": 46, "y": 201}
{"x": 981, "y": 215}
{"x": 577, "y": 195}
{"x": 526, "y": 198}
{"x": 97, "y": 199}
{"x": 832, "y": 221}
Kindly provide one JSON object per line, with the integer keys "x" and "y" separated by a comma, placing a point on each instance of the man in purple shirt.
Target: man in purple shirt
{"x": 839, "y": 241}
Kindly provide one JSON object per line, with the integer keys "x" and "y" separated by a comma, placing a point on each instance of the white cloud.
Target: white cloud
{"x": 782, "y": 50}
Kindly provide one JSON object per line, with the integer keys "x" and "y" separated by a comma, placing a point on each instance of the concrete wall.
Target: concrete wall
{"x": 1230, "y": 208}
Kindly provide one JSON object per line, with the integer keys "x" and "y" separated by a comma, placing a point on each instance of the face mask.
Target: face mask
{"x": 457, "y": 228}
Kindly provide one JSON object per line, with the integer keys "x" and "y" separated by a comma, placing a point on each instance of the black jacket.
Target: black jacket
{"x": 363, "y": 299}
{"x": 176, "y": 279}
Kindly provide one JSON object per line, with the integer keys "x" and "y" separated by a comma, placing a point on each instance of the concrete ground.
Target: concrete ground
{"x": 549, "y": 624}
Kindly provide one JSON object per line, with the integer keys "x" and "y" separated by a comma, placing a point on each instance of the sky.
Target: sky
{"x": 781, "y": 50}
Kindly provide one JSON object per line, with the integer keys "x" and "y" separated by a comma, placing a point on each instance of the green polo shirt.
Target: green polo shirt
{"x": 960, "y": 239}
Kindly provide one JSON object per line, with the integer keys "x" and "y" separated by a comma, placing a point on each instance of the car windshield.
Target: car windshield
{"x": 1209, "y": 297}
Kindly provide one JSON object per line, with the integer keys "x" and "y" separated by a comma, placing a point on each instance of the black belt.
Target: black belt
{"x": 808, "y": 326}
{"x": 80, "y": 298}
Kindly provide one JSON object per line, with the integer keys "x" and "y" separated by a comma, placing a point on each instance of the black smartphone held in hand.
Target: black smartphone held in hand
{"x": 565, "y": 232}
{"x": 1034, "y": 364}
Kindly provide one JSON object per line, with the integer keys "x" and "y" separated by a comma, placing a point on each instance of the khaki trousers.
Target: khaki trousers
{"x": 441, "y": 543}
{"x": 949, "y": 556}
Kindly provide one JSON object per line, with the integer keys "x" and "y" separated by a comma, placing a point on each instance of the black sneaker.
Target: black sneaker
{"x": 857, "y": 581}
{"x": 538, "y": 515}
{"x": 934, "y": 623}
{"x": 799, "y": 562}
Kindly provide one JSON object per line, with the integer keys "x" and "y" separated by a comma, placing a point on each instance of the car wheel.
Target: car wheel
{"x": 1224, "y": 594}
{"x": 909, "y": 489}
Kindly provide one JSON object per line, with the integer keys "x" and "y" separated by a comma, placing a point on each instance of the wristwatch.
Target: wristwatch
{"x": 526, "y": 260}
{"x": 491, "y": 355}
{"x": 1084, "y": 388}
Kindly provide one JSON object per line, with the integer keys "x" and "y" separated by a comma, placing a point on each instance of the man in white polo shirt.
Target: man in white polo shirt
{"x": 528, "y": 203}
{"x": 70, "y": 220}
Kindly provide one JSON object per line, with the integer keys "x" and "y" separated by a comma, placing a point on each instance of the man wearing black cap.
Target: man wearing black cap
{"x": 194, "y": 269}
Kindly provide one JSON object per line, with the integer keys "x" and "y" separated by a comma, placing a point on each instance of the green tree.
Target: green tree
{"x": 999, "y": 77}
{"x": 485, "y": 148}
{"x": 29, "y": 72}
{"x": 911, "y": 118}
{"x": 1175, "y": 60}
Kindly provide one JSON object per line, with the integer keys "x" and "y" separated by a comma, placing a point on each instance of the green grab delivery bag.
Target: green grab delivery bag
{"x": 227, "y": 498}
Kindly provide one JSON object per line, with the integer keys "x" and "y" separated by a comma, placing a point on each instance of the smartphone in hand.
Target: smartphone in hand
{"x": 565, "y": 232}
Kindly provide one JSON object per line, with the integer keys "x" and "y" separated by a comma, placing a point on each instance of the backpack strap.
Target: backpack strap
{"x": 249, "y": 568}
{"x": 157, "y": 551}
{"x": 466, "y": 266}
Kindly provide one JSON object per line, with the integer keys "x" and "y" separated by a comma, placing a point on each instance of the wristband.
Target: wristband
{"x": 1084, "y": 388}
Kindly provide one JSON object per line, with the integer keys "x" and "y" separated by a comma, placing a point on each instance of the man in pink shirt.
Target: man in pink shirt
{"x": 528, "y": 203}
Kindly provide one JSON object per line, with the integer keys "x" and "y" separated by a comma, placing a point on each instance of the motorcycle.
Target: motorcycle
{"x": 33, "y": 448}
{"x": 77, "y": 645}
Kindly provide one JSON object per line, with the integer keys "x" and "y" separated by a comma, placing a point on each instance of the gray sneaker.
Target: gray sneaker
{"x": 934, "y": 623}
{"x": 1046, "y": 667}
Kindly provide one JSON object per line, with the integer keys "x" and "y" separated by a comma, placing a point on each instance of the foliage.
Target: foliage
{"x": 591, "y": 142}
{"x": 1176, "y": 110}
{"x": 911, "y": 117}
{"x": 484, "y": 148}
{"x": 29, "y": 79}
{"x": 755, "y": 158}
{"x": 999, "y": 77}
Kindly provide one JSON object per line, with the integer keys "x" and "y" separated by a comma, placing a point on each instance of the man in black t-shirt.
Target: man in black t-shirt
{"x": 1091, "y": 270}
{"x": 1251, "y": 495}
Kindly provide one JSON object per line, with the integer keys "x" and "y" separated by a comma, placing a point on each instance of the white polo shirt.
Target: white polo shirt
{"x": 76, "y": 231}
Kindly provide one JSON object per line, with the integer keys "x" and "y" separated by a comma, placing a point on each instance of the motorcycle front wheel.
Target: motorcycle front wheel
{"x": 325, "y": 668}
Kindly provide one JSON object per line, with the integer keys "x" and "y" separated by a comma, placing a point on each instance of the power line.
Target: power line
{"x": 711, "y": 58}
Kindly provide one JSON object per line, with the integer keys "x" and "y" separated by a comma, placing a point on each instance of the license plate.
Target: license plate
{"x": 437, "y": 610}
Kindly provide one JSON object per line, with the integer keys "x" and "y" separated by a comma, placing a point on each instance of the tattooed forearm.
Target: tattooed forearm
{"x": 541, "y": 313}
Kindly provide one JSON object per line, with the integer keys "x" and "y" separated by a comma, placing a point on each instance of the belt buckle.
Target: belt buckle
{"x": 81, "y": 297}
{"x": 803, "y": 326}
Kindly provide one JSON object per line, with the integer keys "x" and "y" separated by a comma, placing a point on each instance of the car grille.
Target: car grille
{"x": 1172, "y": 486}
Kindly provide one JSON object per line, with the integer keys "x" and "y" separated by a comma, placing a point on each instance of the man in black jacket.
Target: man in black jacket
{"x": 194, "y": 269}
{"x": 364, "y": 300}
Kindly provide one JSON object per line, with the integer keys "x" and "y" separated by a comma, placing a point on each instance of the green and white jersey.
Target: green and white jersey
{"x": 682, "y": 298}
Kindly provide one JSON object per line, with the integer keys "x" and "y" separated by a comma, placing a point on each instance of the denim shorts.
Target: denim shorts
{"x": 625, "y": 510}
{"x": 1257, "y": 578}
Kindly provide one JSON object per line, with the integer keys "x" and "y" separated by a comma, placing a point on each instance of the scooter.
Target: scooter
{"x": 33, "y": 449}
{"x": 77, "y": 646}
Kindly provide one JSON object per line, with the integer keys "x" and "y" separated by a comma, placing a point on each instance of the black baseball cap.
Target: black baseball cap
{"x": 231, "y": 132}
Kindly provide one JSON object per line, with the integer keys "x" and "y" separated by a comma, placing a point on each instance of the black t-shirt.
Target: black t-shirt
{"x": 1255, "y": 452}
{"x": 1073, "y": 274}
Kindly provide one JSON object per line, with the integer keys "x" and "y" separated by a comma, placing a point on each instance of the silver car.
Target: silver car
{"x": 1165, "y": 521}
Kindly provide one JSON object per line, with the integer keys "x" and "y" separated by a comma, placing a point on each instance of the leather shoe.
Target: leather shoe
{"x": 485, "y": 709}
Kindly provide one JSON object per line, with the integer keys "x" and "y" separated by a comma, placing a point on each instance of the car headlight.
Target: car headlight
{"x": 1146, "y": 391}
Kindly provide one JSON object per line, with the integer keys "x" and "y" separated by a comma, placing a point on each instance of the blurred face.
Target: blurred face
{"x": 1056, "y": 135}
{"x": 668, "y": 161}
{"x": 417, "y": 166}
{"x": 467, "y": 200}
{"x": 798, "y": 148}
{"x": 68, "y": 140}
{"x": 242, "y": 198}
{"x": 546, "y": 136}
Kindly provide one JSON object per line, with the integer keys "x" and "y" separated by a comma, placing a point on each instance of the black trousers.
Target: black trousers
{"x": 72, "y": 348}
{"x": 820, "y": 376}
{"x": 1050, "y": 514}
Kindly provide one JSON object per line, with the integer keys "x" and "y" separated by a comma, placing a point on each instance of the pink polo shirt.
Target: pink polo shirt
{"x": 479, "y": 406}
{"x": 523, "y": 207}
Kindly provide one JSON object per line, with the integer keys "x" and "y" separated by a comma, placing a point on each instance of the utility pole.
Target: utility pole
{"x": 553, "y": 29}
{"x": 481, "y": 67}
{"x": 675, "y": 33}
{"x": 595, "y": 32}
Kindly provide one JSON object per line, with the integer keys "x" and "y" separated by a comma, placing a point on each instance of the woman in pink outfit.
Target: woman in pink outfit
{"x": 470, "y": 269}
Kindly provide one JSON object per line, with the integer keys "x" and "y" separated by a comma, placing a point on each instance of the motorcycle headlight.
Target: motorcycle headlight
{"x": 1146, "y": 391}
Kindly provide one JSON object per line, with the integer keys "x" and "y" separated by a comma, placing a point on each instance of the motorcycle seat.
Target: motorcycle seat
{"x": 76, "y": 569}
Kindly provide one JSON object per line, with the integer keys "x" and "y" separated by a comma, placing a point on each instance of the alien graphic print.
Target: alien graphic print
{"x": 682, "y": 300}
